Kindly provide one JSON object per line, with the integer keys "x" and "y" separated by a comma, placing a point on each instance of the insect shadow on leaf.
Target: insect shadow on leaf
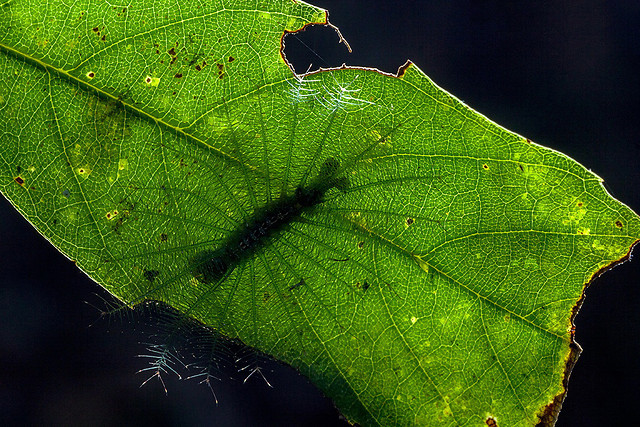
{"x": 249, "y": 237}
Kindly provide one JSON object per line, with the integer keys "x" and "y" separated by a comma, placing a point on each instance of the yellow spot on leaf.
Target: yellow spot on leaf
{"x": 152, "y": 81}
{"x": 111, "y": 215}
{"x": 596, "y": 245}
{"x": 83, "y": 171}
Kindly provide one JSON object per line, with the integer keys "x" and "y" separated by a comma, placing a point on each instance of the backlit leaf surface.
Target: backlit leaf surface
{"x": 434, "y": 286}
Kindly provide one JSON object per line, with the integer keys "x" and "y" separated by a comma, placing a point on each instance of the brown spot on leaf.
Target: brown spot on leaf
{"x": 91, "y": 74}
{"x": 96, "y": 30}
{"x": 409, "y": 221}
{"x": 178, "y": 75}
{"x": 164, "y": 237}
{"x": 104, "y": 38}
{"x": 521, "y": 168}
{"x": 403, "y": 68}
{"x": 172, "y": 52}
{"x": 198, "y": 68}
{"x": 231, "y": 59}
{"x": 491, "y": 422}
{"x": 360, "y": 245}
{"x": 19, "y": 180}
{"x": 220, "y": 66}
{"x": 619, "y": 224}
{"x": 485, "y": 166}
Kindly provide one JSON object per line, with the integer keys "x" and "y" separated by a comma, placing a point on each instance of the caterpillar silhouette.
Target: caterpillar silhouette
{"x": 211, "y": 266}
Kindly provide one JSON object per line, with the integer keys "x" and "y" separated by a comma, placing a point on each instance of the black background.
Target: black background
{"x": 563, "y": 73}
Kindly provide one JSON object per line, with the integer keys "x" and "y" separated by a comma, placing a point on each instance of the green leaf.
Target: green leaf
{"x": 434, "y": 284}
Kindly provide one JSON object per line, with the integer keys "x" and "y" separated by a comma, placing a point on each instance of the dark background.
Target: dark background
{"x": 563, "y": 73}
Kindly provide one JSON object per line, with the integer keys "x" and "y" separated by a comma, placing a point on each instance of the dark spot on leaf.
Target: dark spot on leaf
{"x": 220, "y": 66}
{"x": 148, "y": 79}
{"x": 108, "y": 215}
{"x": 18, "y": 170}
{"x": 528, "y": 140}
{"x": 198, "y": 68}
{"x": 485, "y": 166}
{"x": 172, "y": 52}
{"x": 66, "y": 193}
{"x": 19, "y": 180}
{"x": 521, "y": 168}
{"x": 619, "y": 224}
{"x": 580, "y": 204}
{"x": 409, "y": 221}
{"x": 491, "y": 422}
{"x": 360, "y": 245}
{"x": 297, "y": 285}
{"x": 221, "y": 75}
{"x": 95, "y": 29}
{"x": 365, "y": 286}
{"x": 157, "y": 52}
{"x": 104, "y": 38}
{"x": 164, "y": 237}
{"x": 151, "y": 275}
{"x": 91, "y": 74}
{"x": 231, "y": 59}
{"x": 55, "y": 221}
{"x": 178, "y": 75}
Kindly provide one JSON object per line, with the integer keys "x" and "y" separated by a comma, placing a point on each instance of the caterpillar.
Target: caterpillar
{"x": 213, "y": 265}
